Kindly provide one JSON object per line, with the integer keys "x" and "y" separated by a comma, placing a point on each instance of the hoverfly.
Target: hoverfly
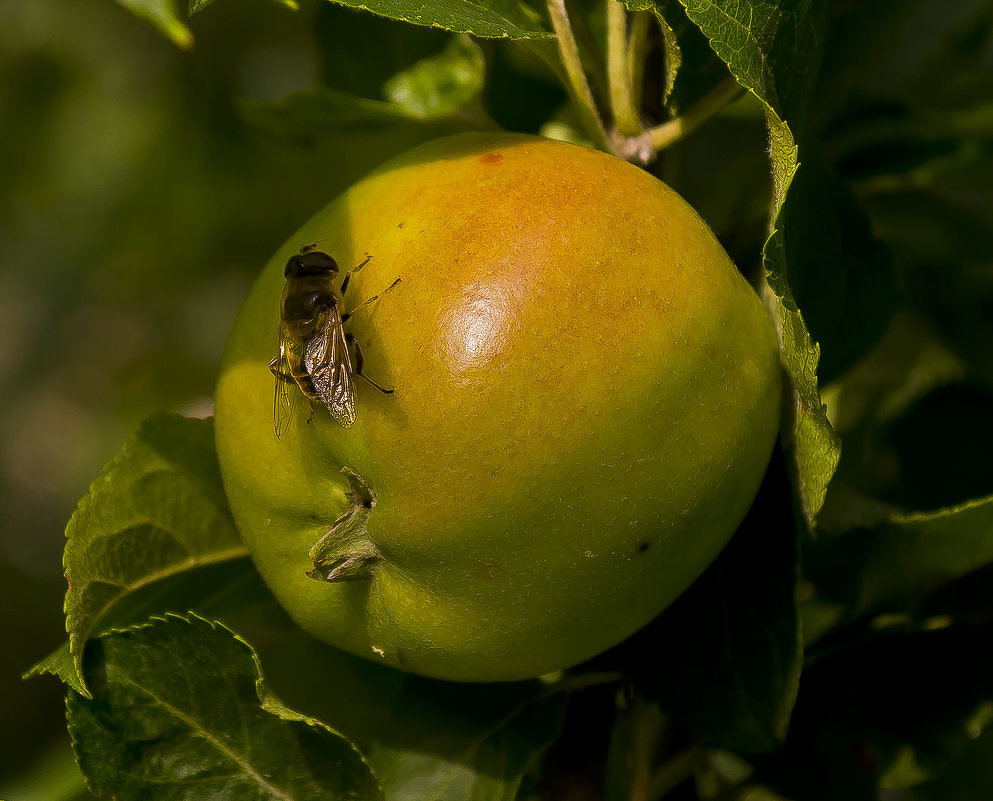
{"x": 313, "y": 344}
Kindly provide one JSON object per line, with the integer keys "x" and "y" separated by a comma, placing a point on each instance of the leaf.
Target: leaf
{"x": 842, "y": 276}
{"x": 673, "y": 56}
{"x": 865, "y": 706}
{"x": 199, "y": 5}
{"x": 725, "y": 658}
{"x": 359, "y": 53}
{"x": 322, "y": 112}
{"x": 441, "y": 85}
{"x": 691, "y": 67}
{"x": 966, "y": 778}
{"x": 179, "y": 710}
{"x": 498, "y": 19}
{"x": 159, "y": 509}
{"x": 908, "y": 362}
{"x": 938, "y": 220}
{"x": 904, "y": 558}
{"x": 425, "y": 739}
{"x": 162, "y": 14}
{"x": 671, "y": 53}
{"x": 771, "y": 48}
{"x": 459, "y": 742}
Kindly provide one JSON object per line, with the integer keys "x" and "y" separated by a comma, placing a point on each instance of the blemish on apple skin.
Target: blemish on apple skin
{"x": 378, "y": 651}
{"x": 491, "y": 158}
{"x": 489, "y": 570}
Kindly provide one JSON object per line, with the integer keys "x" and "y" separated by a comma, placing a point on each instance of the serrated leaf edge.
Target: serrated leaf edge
{"x": 523, "y": 34}
{"x": 78, "y": 637}
{"x": 267, "y": 700}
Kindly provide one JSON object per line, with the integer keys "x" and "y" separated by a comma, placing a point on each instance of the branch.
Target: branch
{"x": 662, "y": 136}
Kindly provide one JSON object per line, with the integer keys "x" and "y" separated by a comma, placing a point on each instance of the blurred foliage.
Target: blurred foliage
{"x": 141, "y": 187}
{"x": 135, "y": 209}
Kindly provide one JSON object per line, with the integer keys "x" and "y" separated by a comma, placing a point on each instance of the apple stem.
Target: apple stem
{"x": 626, "y": 119}
{"x": 637, "y": 51}
{"x": 578, "y": 86}
{"x": 628, "y": 138}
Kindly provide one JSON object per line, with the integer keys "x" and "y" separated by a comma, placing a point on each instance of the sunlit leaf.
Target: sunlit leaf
{"x": 159, "y": 509}
{"x": 162, "y": 14}
{"x": 424, "y": 738}
{"x": 199, "y": 5}
{"x": 179, "y": 710}
{"x": 771, "y": 46}
{"x": 441, "y": 85}
{"x": 510, "y": 19}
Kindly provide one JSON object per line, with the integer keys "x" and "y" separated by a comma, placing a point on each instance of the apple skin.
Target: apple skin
{"x": 587, "y": 393}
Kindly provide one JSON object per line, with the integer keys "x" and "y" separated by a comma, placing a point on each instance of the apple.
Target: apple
{"x": 586, "y": 396}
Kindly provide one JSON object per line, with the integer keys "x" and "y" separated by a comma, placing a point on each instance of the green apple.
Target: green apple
{"x": 586, "y": 396}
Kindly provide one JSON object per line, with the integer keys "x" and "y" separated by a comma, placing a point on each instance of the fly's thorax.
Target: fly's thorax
{"x": 305, "y": 298}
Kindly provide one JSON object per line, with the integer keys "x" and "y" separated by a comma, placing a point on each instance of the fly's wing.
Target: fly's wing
{"x": 284, "y": 395}
{"x": 327, "y": 362}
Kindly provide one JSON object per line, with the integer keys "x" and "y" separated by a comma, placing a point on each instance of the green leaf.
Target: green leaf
{"x": 905, "y": 365}
{"x": 692, "y": 68}
{"x": 842, "y": 276}
{"x": 162, "y": 14}
{"x": 443, "y": 84}
{"x": 673, "y": 56}
{"x": 199, "y": 5}
{"x": 966, "y": 778}
{"x": 497, "y": 19}
{"x": 179, "y": 710}
{"x": 725, "y": 658}
{"x": 771, "y": 48}
{"x": 158, "y": 510}
{"x": 671, "y": 52}
{"x": 425, "y": 739}
{"x": 882, "y": 699}
{"x": 323, "y": 112}
{"x": 455, "y": 742}
{"x": 904, "y": 558}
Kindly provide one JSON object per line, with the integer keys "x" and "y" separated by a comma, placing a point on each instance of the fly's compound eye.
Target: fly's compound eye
{"x": 313, "y": 262}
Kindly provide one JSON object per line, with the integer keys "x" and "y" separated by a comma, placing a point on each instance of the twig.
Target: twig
{"x": 580, "y": 88}
{"x": 626, "y": 119}
{"x": 662, "y": 136}
{"x": 641, "y": 22}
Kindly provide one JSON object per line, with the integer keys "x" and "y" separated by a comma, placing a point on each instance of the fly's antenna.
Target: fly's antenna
{"x": 310, "y": 247}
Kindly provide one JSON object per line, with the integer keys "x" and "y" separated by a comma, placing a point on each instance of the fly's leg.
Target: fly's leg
{"x": 288, "y": 378}
{"x": 279, "y": 374}
{"x": 348, "y": 275}
{"x": 367, "y": 301}
{"x": 351, "y": 340}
